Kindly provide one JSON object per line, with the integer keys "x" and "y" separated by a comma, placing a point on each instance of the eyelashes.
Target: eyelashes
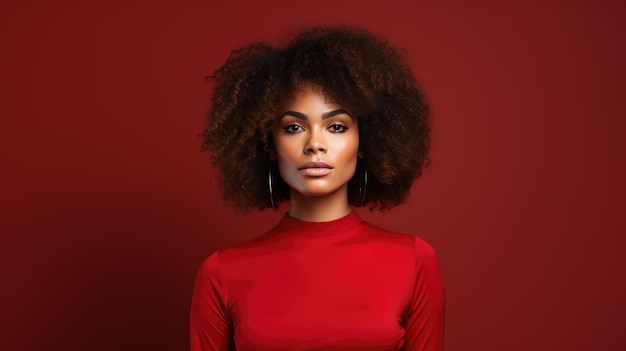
{"x": 293, "y": 128}
{"x": 336, "y": 128}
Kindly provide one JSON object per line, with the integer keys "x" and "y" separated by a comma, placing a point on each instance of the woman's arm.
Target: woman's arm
{"x": 424, "y": 319}
{"x": 210, "y": 323}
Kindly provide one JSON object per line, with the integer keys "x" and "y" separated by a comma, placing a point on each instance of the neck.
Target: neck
{"x": 321, "y": 208}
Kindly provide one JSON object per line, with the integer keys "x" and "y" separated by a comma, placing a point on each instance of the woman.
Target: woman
{"x": 331, "y": 121}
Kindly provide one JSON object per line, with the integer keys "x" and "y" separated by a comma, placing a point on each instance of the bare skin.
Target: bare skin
{"x": 316, "y": 144}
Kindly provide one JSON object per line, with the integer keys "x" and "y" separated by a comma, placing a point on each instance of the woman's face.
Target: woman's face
{"x": 316, "y": 144}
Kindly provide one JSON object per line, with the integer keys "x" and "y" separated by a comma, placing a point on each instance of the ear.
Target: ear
{"x": 360, "y": 154}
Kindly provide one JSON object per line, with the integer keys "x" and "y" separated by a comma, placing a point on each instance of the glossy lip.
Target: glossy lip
{"x": 315, "y": 169}
{"x": 315, "y": 165}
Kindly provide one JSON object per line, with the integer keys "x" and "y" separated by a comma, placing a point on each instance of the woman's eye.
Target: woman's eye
{"x": 338, "y": 128}
{"x": 293, "y": 128}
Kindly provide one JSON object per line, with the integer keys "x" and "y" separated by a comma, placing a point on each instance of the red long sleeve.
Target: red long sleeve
{"x": 339, "y": 285}
{"x": 211, "y": 328}
{"x": 425, "y": 317}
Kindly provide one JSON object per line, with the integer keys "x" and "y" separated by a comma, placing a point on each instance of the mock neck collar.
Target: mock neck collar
{"x": 320, "y": 229}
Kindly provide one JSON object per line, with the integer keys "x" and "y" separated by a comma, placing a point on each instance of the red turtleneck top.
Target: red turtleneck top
{"x": 338, "y": 285}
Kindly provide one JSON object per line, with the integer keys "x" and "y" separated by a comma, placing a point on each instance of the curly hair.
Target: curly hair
{"x": 356, "y": 69}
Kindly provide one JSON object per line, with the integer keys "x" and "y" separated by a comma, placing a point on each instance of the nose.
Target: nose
{"x": 315, "y": 143}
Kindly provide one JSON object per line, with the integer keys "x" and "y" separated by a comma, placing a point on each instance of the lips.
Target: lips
{"x": 315, "y": 165}
{"x": 315, "y": 169}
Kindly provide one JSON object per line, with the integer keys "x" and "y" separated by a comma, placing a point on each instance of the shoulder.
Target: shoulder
{"x": 255, "y": 247}
{"x": 409, "y": 239}
{"x": 374, "y": 231}
{"x": 424, "y": 249}
{"x": 210, "y": 266}
{"x": 209, "y": 275}
{"x": 420, "y": 247}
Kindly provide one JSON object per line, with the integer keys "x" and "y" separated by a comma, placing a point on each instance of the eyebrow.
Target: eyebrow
{"x": 326, "y": 115}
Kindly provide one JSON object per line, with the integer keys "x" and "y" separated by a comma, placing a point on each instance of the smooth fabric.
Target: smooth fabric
{"x": 338, "y": 285}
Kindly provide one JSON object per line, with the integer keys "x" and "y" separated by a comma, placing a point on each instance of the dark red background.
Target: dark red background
{"x": 108, "y": 207}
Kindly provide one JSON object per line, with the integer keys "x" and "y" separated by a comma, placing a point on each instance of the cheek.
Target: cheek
{"x": 349, "y": 156}
{"x": 284, "y": 153}
{"x": 350, "y": 149}
{"x": 287, "y": 157}
{"x": 283, "y": 148}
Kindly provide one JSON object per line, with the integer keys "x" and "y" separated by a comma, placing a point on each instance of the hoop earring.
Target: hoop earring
{"x": 363, "y": 188}
{"x": 270, "y": 186}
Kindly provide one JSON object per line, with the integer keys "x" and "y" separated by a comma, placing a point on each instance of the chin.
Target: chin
{"x": 317, "y": 191}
